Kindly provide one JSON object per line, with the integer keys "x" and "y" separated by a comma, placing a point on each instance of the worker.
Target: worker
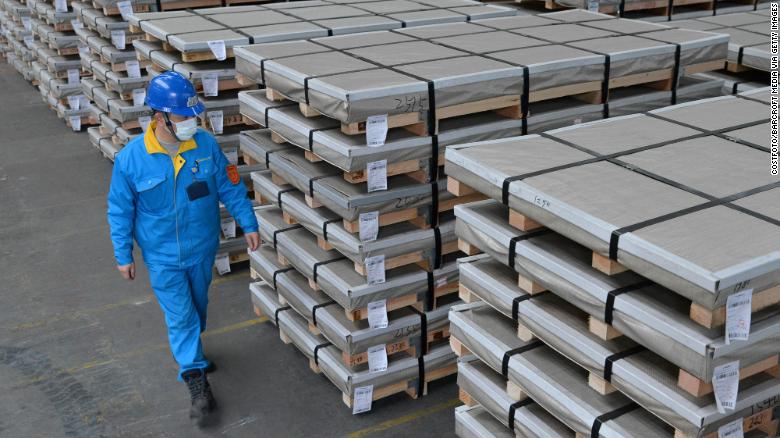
{"x": 165, "y": 192}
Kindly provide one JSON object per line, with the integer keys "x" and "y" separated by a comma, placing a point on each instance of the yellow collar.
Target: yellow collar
{"x": 154, "y": 147}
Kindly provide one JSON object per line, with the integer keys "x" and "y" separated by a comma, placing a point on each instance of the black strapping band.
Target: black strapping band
{"x": 516, "y": 302}
{"x": 295, "y": 227}
{"x": 420, "y": 376}
{"x": 277, "y": 272}
{"x": 525, "y": 99}
{"x": 311, "y": 181}
{"x": 603, "y": 418}
{"x": 279, "y": 195}
{"x": 317, "y": 306}
{"x": 437, "y": 256}
{"x": 430, "y": 293}
{"x": 317, "y": 350}
{"x": 325, "y": 227}
{"x": 605, "y": 84}
{"x": 311, "y": 136}
{"x": 609, "y": 307}
{"x": 423, "y": 331}
{"x": 434, "y": 209}
{"x": 515, "y": 351}
{"x": 515, "y": 406}
{"x": 276, "y": 314}
{"x": 609, "y": 360}
{"x": 318, "y": 264}
{"x": 526, "y": 236}
{"x": 676, "y": 71}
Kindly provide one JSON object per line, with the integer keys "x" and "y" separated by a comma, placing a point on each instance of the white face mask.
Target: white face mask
{"x": 186, "y": 129}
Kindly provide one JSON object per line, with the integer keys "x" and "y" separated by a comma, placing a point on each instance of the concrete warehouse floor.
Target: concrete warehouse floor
{"x": 84, "y": 353}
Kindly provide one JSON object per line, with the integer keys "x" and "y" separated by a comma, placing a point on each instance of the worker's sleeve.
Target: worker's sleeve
{"x": 121, "y": 216}
{"x": 233, "y": 195}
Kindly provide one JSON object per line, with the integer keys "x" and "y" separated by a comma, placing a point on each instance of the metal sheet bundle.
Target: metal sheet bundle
{"x": 748, "y": 37}
{"x": 634, "y": 229}
{"x": 603, "y": 347}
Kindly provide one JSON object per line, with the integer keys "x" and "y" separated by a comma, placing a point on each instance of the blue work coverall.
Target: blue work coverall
{"x": 170, "y": 206}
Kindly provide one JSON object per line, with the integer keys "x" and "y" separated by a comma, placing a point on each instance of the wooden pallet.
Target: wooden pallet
{"x": 709, "y": 318}
{"x": 397, "y": 302}
{"x": 508, "y": 106}
{"x": 650, "y": 7}
{"x": 194, "y": 56}
{"x": 114, "y": 10}
{"x": 762, "y": 420}
{"x": 120, "y": 66}
{"x": 402, "y": 347}
{"x": 418, "y": 216}
{"x": 408, "y": 386}
{"x": 229, "y": 120}
{"x": 222, "y": 84}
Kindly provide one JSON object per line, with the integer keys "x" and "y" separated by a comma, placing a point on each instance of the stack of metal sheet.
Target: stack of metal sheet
{"x": 19, "y": 44}
{"x": 662, "y": 10}
{"x": 375, "y": 299}
{"x": 118, "y": 79}
{"x": 548, "y": 302}
{"x": 748, "y": 37}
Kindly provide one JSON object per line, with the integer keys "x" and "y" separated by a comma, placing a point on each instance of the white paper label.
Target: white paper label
{"x": 732, "y": 430}
{"x": 222, "y": 262}
{"x": 377, "y": 358}
{"x": 61, "y": 5}
{"x": 375, "y": 269}
{"x": 228, "y": 228}
{"x": 75, "y": 123}
{"x": 377, "y": 314}
{"x": 133, "y": 68}
{"x": 362, "y": 401}
{"x": 139, "y": 96}
{"x": 593, "y": 6}
{"x": 738, "y": 307}
{"x": 74, "y": 102}
{"x": 118, "y": 39}
{"x": 725, "y": 383}
{"x": 376, "y": 130}
{"x": 216, "y": 119}
{"x": 377, "y": 175}
{"x": 369, "y": 226}
{"x": 218, "y": 49}
{"x": 210, "y": 84}
{"x": 126, "y": 9}
{"x": 76, "y": 24}
{"x": 27, "y": 23}
{"x": 232, "y": 156}
{"x": 28, "y": 40}
{"x": 144, "y": 121}
{"x": 74, "y": 76}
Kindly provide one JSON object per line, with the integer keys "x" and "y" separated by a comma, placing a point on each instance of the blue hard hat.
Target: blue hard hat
{"x": 170, "y": 92}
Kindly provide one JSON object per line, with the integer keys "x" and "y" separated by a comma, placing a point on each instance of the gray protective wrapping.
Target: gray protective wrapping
{"x": 392, "y": 240}
{"x": 550, "y": 379}
{"x": 189, "y": 30}
{"x": 476, "y": 422}
{"x": 652, "y": 316}
{"x": 452, "y": 61}
{"x": 350, "y": 153}
{"x": 340, "y": 281}
{"x": 693, "y": 265}
{"x": 488, "y": 388}
{"x": 644, "y": 377}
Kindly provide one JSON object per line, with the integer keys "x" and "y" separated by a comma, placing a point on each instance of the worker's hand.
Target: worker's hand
{"x": 127, "y": 271}
{"x": 252, "y": 240}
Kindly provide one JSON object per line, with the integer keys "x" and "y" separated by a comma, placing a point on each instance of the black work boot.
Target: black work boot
{"x": 203, "y": 402}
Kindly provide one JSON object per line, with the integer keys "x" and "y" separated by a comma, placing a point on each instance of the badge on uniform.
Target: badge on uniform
{"x": 197, "y": 190}
{"x": 232, "y": 173}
